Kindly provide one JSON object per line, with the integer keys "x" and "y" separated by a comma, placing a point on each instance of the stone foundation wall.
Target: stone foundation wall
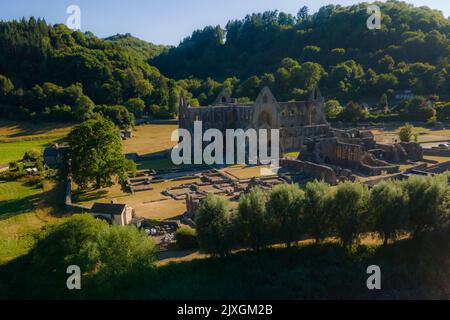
{"x": 315, "y": 170}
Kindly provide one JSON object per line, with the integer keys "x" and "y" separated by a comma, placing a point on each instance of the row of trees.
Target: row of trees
{"x": 288, "y": 214}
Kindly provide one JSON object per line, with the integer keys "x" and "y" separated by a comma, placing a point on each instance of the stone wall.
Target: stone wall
{"x": 435, "y": 152}
{"x": 317, "y": 171}
{"x": 70, "y": 206}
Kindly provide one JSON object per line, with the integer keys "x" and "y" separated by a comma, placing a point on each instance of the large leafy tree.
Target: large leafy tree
{"x": 350, "y": 212}
{"x": 285, "y": 209}
{"x": 109, "y": 256}
{"x": 387, "y": 205}
{"x": 428, "y": 205}
{"x": 213, "y": 220}
{"x": 251, "y": 219}
{"x": 95, "y": 154}
{"x": 318, "y": 210}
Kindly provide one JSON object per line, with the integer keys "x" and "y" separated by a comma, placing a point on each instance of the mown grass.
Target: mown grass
{"x": 150, "y": 139}
{"x": 24, "y": 211}
{"x": 16, "y": 138}
{"x": 16, "y": 197}
{"x": 13, "y": 151}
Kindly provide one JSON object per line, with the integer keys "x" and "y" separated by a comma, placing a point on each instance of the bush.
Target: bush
{"x": 32, "y": 155}
{"x": 33, "y": 180}
{"x": 186, "y": 238}
{"x": 406, "y": 133}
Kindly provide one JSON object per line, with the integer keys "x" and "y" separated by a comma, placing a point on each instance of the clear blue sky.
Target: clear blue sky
{"x": 163, "y": 21}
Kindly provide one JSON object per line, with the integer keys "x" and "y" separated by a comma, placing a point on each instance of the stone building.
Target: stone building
{"x": 113, "y": 213}
{"x": 295, "y": 120}
{"x": 304, "y": 128}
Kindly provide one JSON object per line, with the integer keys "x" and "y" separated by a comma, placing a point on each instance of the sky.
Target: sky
{"x": 164, "y": 21}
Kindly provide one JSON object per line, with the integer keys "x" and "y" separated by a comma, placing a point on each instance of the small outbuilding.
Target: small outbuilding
{"x": 113, "y": 213}
{"x": 54, "y": 155}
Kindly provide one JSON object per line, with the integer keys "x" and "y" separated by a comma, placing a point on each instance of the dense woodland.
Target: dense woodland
{"x": 54, "y": 73}
{"x": 333, "y": 45}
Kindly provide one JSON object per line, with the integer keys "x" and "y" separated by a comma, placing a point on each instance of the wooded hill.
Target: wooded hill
{"x": 53, "y": 73}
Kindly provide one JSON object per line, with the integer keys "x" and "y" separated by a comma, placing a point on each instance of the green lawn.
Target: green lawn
{"x": 18, "y": 221}
{"x": 11, "y": 151}
{"x": 16, "y": 138}
{"x": 15, "y": 198}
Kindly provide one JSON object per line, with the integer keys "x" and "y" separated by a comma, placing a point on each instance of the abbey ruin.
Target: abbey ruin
{"x": 326, "y": 153}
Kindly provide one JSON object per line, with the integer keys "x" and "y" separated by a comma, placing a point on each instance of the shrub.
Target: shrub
{"x": 32, "y": 155}
{"x": 406, "y": 133}
{"x": 186, "y": 238}
{"x": 33, "y": 180}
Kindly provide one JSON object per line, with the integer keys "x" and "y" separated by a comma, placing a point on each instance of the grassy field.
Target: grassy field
{"x": 15, "y": 198}
{"x": 16, "y": 138}
{"x": 390, "y": 134}
{"x": 148, "y": 204}
{"x": 149, "y": 139}
{"x": 24, "y": 211}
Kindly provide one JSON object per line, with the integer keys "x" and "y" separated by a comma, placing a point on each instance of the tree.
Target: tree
{"x": 303, "y": 13}
{"x": 213, "y": 220}
{"x": 353, "y": 113}
{"x": 251, "y": 220}
{"x": 285, "y": 208}
{"x": 387, "y": 203}
{"x": 332, "y": 109}
{"x": 350, "y": 211}
{"x": 119, "y": 115}
{"x": 317, "y": 213}
{"x": 95, "y": 154}
{"x": 136, "y": 106}
{"x": 427, "y": 202}
{"x": 111, "y": 255}
{"x": 186, "y": 238}
{"x": 120, "y": 251}
{"x": 384, "y": 105}
{"x": 6, "y": 86}
{"x": 68, "y": 243}
{"x": 406, "y": 132}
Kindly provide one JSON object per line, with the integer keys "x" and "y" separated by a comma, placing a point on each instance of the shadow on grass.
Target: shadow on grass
{"x": 52, "y": 199}
{"x": 30, "y": 129}
{"x": 90, "y": 196}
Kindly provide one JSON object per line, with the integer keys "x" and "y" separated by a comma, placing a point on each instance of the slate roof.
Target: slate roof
{"x": 53, "y": 151}
{"x": 108, "y": 208}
